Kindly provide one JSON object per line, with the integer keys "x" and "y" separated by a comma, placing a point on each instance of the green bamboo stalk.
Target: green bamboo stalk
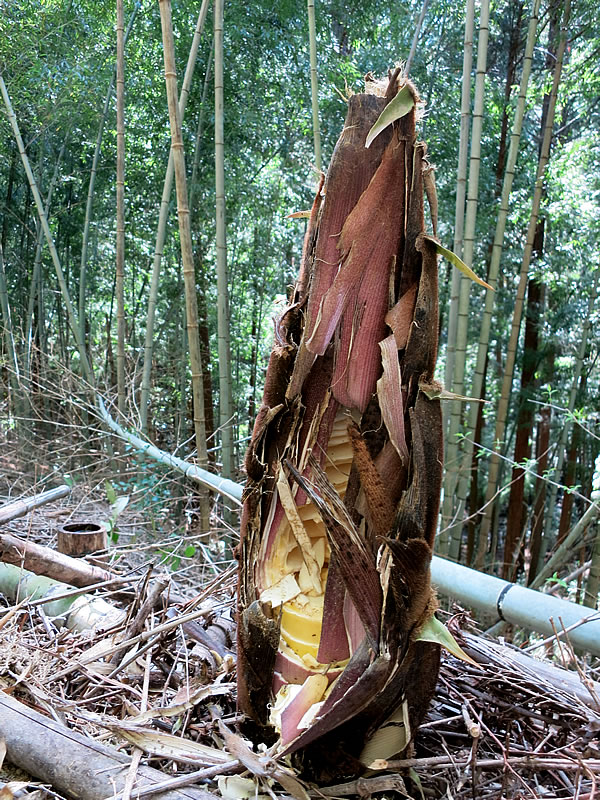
{"x": 314, "y": 82}
{"x": 34, "y": 289}
{"x": 187, "y": 258}
{"x": 9, "y": 340}
{"x": 486, "y": 321}
{"x": 415, "y": 41}
{"x": 462, "y": 317}
{"x": 162, "y": 226}
{"x": 569, "y": 543}
{"x": 200, "y": 131}
{"x": 120, "y": 230}
{"x": 461, "y": 187}
{"x": 92, "y": 183}
{"x": 568, "y": 423}
{"x": 501, "y": 415}
{"x": 225, "y": 400}
{"x": 85, "y": 364}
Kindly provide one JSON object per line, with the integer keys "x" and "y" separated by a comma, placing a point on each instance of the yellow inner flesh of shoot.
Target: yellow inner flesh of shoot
{"x": 293, "y": 577}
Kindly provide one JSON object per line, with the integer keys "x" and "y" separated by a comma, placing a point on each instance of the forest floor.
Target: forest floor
{"x": 507, "y": 728}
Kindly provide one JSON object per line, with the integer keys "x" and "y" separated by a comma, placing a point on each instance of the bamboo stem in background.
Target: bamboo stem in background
{"x": 223, "y": 334}
{"x": 92, "y": 183}
{"x": 120, "y": 231}
{"x": 568, "y": 423}
{"x": 162, "y": 226}
{"x": 35, "y": 286}
{"x": 85, "y": 364}
{"x": 484, "y": 333}
{"x": 314, "y": 82}
{"x": 415, "y": 41}
{"x": 191, "y": 302}
{"x": 451, "y": 449}
{"x": 9, "y": 342}
{"x": 501, "y": 415}
{"x": 461, "y": 186}
{"x": 462, "y": 318}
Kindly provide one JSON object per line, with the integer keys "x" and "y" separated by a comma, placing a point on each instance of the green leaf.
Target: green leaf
{"x": 435, "y": 391}
{"x": 412, "y": 774}
{"x": 458, "y": 263}
{"x": 111, "y": 495}
{"x": 189, "y": 551}
{"x": 395, "y": 109}
{"x": 119, "y": 505}
{"x": 435, "y": 631}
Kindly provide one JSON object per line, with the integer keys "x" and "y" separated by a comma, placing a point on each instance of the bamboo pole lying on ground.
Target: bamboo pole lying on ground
{"x": 73, "y": 764}
{"x": 517, "y": 605}
{"x": 45, "y": 561}
{"x": 64, "y": 605}
{"x": 19, "y": 508}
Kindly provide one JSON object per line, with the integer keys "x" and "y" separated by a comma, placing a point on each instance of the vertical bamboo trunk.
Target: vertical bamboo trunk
{"x": 461, "y": 194}
{"x": 120, "y": 234}
{"x": 502, "y": 411}
{"x": 85, "y": 365}
{"x": 462, "y": 320}
{"x": 344, "y": 467}
{"x": 415, "y": 41}
{"x": 189, "y": 275}
{"x": 566, "y": 428}
{"x": 14, "y": 406}
{"x": 493, "y": 272}
{"x": 162, "y": 228}
{"x": 570, "y": 478}
{"x": 35, "y": 289}
{"x": 91, "y": 186}
{"x": 522, "y": 451}
{"x": 537, "y": 525}
{"x": 314, "y": 82}
{"x": 223, "y": 337}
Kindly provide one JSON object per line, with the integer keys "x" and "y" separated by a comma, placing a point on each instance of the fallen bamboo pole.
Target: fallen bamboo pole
{"x": 518, "y": 605}
{"x": 74, "y": 765}
{"x": 45, "y": 561}
{"x": 19, "y": 508}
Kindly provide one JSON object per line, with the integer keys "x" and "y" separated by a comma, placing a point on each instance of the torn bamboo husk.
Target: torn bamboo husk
{"x": 344, "y": 465}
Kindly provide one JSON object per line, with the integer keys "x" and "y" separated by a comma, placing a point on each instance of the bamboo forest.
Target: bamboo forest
{"x": 299, "y": 399}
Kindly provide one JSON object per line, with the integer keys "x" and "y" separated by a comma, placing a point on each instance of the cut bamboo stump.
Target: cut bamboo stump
{"x": 81, "y": 538}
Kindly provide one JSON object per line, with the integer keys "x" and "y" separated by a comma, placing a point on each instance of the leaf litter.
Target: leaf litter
{"x": 506, "y": 727}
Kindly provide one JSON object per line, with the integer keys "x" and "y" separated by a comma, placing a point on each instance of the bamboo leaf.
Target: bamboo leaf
{"x": 397, "y": 108}
{"x": 413, "y": 775}
{"x": 458, "y": 263}
{"x": 435, "y": 391}
{"x": 435, "y": 631}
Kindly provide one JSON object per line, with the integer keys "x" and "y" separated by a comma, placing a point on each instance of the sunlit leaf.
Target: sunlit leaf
{"x": 412, "y": 774}
{"x": 435, "y": 631}
{"x": 458, "y": 263}
{"x": 299, "y": 215}
{"x": 119, "y": 505}
{"x": 435, "y": 391}
{"x": 111, "y": 495}
{"x": 397, "y": 108}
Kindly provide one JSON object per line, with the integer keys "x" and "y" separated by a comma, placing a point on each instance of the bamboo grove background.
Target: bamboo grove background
{"x": 151, "y": 273}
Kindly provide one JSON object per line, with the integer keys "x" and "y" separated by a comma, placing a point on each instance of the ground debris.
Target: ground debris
{"x": 163, "y": 685}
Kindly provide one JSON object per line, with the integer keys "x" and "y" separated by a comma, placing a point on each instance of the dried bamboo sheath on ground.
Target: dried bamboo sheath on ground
{"x": 344, "y": 466}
